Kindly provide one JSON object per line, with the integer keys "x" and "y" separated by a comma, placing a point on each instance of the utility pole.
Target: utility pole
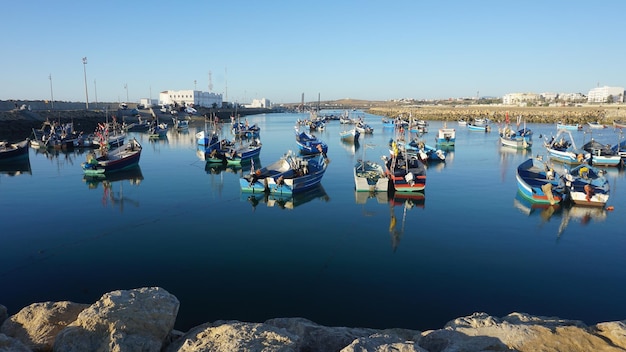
{"x": 51, "y": 95}
{"x": 95, "y": 89}
{"x": 85, "y": 74}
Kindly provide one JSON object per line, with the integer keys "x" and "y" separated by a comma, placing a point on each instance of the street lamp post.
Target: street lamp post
{"x": 95, "y": 89}
{"x": 51, "y": 94}
{"x": 85, "y": 73}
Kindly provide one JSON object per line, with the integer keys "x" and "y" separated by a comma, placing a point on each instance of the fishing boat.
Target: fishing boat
{"x": 362, "y": 127}
{"x": 445, "y": 136}
{"x": 620, "y": 149}
{"x": 13, "y": 151}
{"x": 158, "y": 130}
{"x": 288, "y": 175}
{"x": 406, "y": 172}
{"x": 601, "y": 154}
{"x": 478, "y": 127}
{"x": 121, "y": 158}
{"x": 562, "y": 148}
{"x": 424, "y": 151}
{"x": 520, "y": 139}
{"x": 388, "y": 123}
{"x": 595, "y": 125}
{"x": 309, "y": 143}
{"x": 180, "y": 124}
{"x": 351, "y": 136}
{"x": 234, "y": 154}
{"x": 369, "y": 176}
{"x": 539, "y": 183}
{"x": 244, "y": 129}
{"x": 587, "y": 185}
{"x": 419, "y": 126}
{"x": 619, "y": 124}
{"x": 569, "y": 127}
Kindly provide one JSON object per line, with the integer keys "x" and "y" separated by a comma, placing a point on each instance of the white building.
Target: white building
{"x": 259, "y": 103}
{"x": 520, "y": 98}
{"x": 190, "y": 98}
{"x": 148, "y": 103}
{"x": 601, "y": 94}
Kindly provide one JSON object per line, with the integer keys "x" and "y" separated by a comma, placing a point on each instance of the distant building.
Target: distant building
{"x": 259, "y": 103}
{"x": 572, "y": 97}
{"x": 549, "y": 96}
{"x": 602, "y": 94}
{"x": 148, "y": 103}
{"x": 520, "y": 98}
{"x": 190, "y": 98}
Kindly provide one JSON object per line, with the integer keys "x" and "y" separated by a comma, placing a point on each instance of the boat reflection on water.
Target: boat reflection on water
{"x": 116, "y": 198}
{"x": 286, "y": 201}
{"x": 15, "y": 167}
{"x": 363, "y": 197}
{"x": 218, "y": 168}
{"x": 237, "y": 169}
{"x": 407, "y": 201}
{"x": 566, "y": 212}
{"x": 351, "y": 147}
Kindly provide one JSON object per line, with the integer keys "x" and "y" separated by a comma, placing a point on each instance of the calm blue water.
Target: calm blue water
{"x": 328, "y": 256}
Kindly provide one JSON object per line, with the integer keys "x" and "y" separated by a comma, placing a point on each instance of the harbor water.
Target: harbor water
{"x": 331, "y": 255}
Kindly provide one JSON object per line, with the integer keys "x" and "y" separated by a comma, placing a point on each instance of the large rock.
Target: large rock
{"x": 133, "y": 320}
{"x": 521, "y": 332}
{"x": 3, "y": 314}
{"x": 37, "y": 324}
{"x": 383, "y": 343}
{"x": 316, "y": 337}
{"x": 230, "y": 336}
{"x": 9, "y": 344}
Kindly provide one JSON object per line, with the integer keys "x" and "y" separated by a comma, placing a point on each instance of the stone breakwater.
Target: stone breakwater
{"x": 143, "y": 319}
{"x": 568, "y": 115}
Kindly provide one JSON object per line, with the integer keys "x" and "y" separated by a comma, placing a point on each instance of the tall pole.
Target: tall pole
{"x": 95, "y": 89}
{"x": 85, "y": 73}
{"x": 126, "y": 87}
{"x": 51, "y": 95}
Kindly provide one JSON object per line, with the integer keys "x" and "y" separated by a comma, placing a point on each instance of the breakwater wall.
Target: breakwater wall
{"x": 568, "y": 115}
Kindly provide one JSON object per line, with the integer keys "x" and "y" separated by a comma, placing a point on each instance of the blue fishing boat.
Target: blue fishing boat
{"x": 478, "y": 128}
{"x": 310, "y": 144}
{"x": 121, "y": 158}
{"x": 288, "y": 175}
{"x": 446, "y": 137}
{"x": 562, "y": 148}
{"x": 539, "y": 183}
{"x": 424, "y": 151}
{"x": 587, "y": 185}
{"x": 520, "y": 139}
{"x": 569, "y": 127}
{"x": 350, "y": 136}
{"x": 234, "y": 154}
{"x": 601, "y": 154}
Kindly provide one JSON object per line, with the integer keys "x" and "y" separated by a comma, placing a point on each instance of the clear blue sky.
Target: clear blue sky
{"x": 338, "y": 49}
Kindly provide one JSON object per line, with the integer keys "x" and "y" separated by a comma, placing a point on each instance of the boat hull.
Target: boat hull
{"x": 370, "y": 177}
{"x": 15, "y": 151}
{"x": 535, "y": 183}
{"x": 123, "y": 158}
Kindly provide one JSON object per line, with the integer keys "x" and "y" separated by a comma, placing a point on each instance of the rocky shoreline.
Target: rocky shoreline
{"x": 142, "y": 319}
{"x": 567, "y": 115}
